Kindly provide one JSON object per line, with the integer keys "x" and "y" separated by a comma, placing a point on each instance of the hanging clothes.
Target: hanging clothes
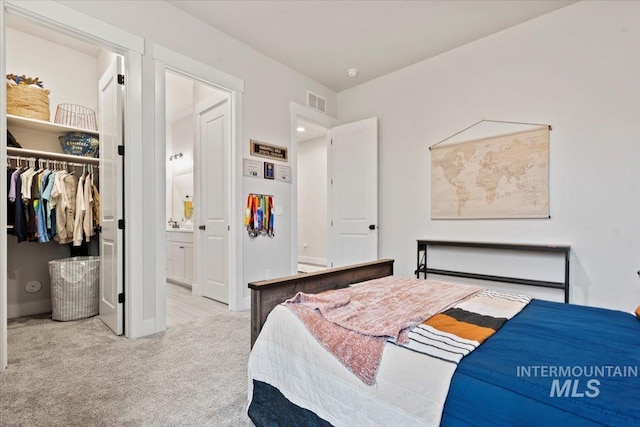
{"x": 79, "y": 214}
{"x": 11, "y": 204}
{"x": 87, "y": 223}
{"x": 96, "y": 207}
{"x": 45, "y": 204}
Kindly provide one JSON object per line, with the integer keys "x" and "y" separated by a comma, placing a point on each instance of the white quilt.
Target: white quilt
{"x": 407, "y": 393}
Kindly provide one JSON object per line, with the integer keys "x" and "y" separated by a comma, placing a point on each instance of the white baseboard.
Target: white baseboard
{"x": 196, "y": 290}
{"x": 149, "y": 327}
{"x": 312, "y": 260}
{"x": 28, "y": 308}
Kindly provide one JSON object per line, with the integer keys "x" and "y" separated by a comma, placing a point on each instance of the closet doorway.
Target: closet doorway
{"x": 68, "y": 55}
{"x": 195, "y": 187}
{"x": 84, "y": 113}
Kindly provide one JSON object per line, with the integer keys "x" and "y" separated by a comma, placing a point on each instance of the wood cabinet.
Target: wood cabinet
{"x": 179, "y": 256}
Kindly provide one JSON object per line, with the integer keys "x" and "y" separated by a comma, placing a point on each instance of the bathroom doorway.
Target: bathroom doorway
{"x": 184, "y": 295}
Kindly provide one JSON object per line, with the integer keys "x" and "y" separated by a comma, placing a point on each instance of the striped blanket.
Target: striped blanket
{"x": 454, "y": 333}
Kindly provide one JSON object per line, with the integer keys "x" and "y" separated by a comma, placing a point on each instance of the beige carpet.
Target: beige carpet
{"x": 80, "y": 374}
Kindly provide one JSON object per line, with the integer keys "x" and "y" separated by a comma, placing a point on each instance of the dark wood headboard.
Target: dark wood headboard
{"x": 267, "y": 294}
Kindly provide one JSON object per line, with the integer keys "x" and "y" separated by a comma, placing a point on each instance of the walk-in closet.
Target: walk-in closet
{"x": 55, "y": 189}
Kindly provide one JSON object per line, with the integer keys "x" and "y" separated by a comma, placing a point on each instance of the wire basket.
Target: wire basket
{"x": 76, "y": 116}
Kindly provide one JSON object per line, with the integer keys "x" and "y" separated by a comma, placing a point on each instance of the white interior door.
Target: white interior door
{"x": 212, "y": 175}
{"x": 111, "y": 262}
{"x": 353, "y": 192}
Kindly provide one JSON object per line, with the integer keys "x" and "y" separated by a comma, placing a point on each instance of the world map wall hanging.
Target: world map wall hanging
{"x": 500, "y": 176}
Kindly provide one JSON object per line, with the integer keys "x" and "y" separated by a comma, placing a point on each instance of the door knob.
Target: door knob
{"x": 372, "y": 227}
{"x": 202, "y": 227}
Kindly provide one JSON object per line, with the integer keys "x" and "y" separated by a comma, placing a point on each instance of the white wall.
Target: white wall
{"x": 576, "y": 69}
{"x": 269, "y": 88}
{"x": 69, "y": 75}
{"x": 312, "y": 201}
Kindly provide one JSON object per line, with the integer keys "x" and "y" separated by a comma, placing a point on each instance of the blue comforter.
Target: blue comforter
{"x": 552, "y": 365}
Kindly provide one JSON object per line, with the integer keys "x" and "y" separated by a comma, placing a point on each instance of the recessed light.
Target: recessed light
{"x": 352, "y": 72}
{"x": 300, "y": 129}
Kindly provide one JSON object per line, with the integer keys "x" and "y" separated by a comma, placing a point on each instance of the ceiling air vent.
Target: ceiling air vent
{"x": 316, "y": 102}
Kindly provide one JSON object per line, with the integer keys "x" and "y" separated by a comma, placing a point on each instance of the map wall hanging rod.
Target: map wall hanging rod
{"x": 490, "y": 121}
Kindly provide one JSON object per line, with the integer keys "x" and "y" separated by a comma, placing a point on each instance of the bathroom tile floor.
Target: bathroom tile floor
{"x": 184, "y": 307}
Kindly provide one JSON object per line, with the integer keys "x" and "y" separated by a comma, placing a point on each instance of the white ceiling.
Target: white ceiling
{"x": 311, "y": 131}
{"x": 322, "y": 39}
{"x": 27, "y": 26}
{"x": 179, "y": 97}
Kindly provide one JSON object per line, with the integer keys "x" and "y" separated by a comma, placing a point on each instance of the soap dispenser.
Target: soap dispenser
{"x": 188, "y": 208}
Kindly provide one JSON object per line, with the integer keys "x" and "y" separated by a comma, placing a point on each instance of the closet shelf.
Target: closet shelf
{"x": 23, "y": 152}
{"x": 43, "y": 126}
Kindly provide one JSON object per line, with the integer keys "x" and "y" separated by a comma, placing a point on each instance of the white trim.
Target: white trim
{"x": 313, "y": 115}
{"x": 62, "y": 18}
{"x": 28, "y": 308}
{"x": 197, "y": 70}
{"x": 196, "y": 290}
{"x": 300, "y": 111}
{"x": 313, "y": 260}
{"x": 236, "y": 222}
{"x": 3, "y": 195}
{"x": 165, "y": 59}
{"x": 134, "y": 141}
{"x": 161, "y": 193}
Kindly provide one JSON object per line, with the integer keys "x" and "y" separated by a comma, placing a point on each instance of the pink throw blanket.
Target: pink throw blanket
{"x": 354, "y": 323}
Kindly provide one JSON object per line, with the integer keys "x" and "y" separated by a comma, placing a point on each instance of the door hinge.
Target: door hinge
{"x": 121, "y": 224}
{"x": 332, "y": 223}
{"x": 120, "y": 79}
{"x": 332, "y": 142}
{"x": 228, "y": 228}
{"x": 331, "y": 181}
{"x": 331, "y": 265}
{"x": 120, "y": 298}
{"x": 121, "y": 150}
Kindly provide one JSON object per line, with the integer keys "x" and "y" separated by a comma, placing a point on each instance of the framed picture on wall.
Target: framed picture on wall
{"x": 268, "y": 170}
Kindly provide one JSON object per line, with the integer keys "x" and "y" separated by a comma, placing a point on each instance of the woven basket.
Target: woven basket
{"x": 27, "y": 101}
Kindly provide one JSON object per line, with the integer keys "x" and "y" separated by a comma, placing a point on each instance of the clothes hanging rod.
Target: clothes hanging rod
{"x": 72, "y": 164}
{"x": 24, "y": 152}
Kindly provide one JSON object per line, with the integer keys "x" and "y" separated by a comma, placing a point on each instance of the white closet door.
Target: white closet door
{"x": 111, "y": 209}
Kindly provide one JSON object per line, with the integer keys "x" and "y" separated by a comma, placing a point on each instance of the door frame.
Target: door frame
{"x": 299, "y": 111}
{"x": 76, "y": 24}
{"x": 168, "y": 60}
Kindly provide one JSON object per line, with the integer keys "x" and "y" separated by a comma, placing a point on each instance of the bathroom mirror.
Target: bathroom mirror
{"x": 182, "y": 187}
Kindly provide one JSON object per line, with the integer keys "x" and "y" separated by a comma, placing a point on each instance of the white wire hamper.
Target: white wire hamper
{"x": 75, "y": 287}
